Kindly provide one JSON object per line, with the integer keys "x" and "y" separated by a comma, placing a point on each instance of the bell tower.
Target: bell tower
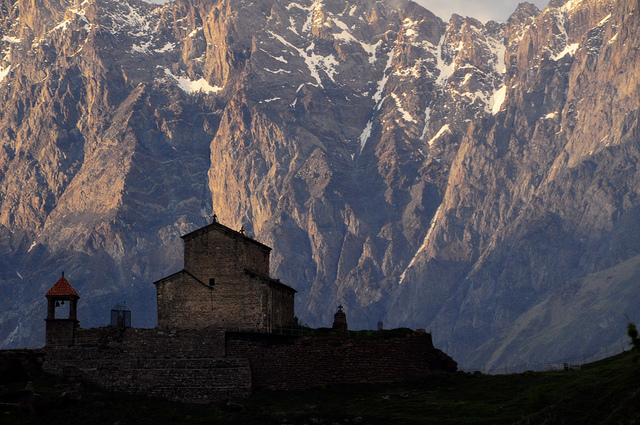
{"x": 61, "y": 331}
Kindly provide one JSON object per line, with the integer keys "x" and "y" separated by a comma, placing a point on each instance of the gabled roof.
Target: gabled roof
{"x": 181, "y": 272}
{"x": 224, "y": 229}
{"x": 269, "y": 280}
{"x": 62, "y": 288}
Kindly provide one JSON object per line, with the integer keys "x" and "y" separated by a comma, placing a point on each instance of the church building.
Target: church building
{"x": 225, "y": 283}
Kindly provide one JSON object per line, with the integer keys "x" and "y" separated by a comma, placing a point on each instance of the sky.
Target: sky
{"x": 483, "y": 10}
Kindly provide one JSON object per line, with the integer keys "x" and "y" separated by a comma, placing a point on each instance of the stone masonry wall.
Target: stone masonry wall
{"x": 215, "y": 251}
{"x": 184, "y": 302}
{"x": 61, "y": 332}
{"x": 200, "y": 366}
{"x": 279, "y": 362}
{"x": 282, "y": 307}
{"x": 184, "y": 365}
{"x": 178, "y": 343}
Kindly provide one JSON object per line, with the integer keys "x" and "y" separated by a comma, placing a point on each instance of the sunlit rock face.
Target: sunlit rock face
{"x": 460, "y": 177}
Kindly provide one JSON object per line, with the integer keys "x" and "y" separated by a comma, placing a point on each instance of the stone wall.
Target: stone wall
{"x": 210, "y": 364}
{"x": 61, "y": 332}
{"x": 279, "y": 362}
{"x": 186, "y": 302}
{"x": 248, "y": 303}
{"x": 174, "y": 343}
{"x": 184, "y": 365}
{"x": 216, "y": 251}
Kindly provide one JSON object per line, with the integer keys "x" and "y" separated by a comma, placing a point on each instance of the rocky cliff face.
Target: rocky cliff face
{"x": 541, "y": 195}
{"x": 453, "y": 176}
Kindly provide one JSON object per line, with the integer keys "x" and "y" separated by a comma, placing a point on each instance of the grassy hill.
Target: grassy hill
{"x": 605, "y": 392}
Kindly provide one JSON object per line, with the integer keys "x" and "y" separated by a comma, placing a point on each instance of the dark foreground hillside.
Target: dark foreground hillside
{"x": 605, "y": 392}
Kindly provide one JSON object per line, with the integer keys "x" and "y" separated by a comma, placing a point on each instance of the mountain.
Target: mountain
{"x": 541, "y": 207}
{"x": 475, "y": 179}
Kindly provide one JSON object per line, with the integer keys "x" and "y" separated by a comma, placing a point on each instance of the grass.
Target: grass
{"x": 605, "y": 392}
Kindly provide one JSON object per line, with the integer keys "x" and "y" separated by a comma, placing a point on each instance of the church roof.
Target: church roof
{"x": 224, "y": 229}
{"x": 62, "y": 288}
{"x": 269, "y": 280}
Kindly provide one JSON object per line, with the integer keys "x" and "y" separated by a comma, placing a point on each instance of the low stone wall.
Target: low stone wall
{"x": 279, "y": 362}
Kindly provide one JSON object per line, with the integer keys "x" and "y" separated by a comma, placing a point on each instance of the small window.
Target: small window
{"x": 212, "y": 282}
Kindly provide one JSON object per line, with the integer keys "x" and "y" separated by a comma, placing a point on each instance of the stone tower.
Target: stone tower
{"x": 225, "y": 283}
{"x": 61, "y": 331}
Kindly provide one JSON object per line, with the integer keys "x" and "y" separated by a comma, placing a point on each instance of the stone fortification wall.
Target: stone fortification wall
{"x": 279, "y": 362}
{"x": 184, "y": 365}
{"x": 178, "y": 343}
{"x": 211, "y": 364}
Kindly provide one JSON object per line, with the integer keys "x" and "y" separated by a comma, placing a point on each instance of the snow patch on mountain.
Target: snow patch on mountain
{"x": 497, "y": 99}
{"x": 377, "y": 97}
{"x": 446, "y": 69}
{"x": 570, "y": 50}
{"x": 366, "y": 133}
{"x": 371, "y": 50}
{"x": 436, "y": 216}
{"x": 143, "y": 47}
{"x": 410, "y": 29}
{"x": 413, "y": 71}
{"x": 604, "y": 20}
{"x": 315, "y": 62}
{"x": 4, "y": 72}
{"x": 277, "y": 71}
{"x": 12, "y": 40}
{"x": 169, "y": 47}
{"x": 278, "y": 58}
{"x": 137, "y": 23}
{"x": 498, "y": 51}
{"x": 570, "y": 5}
{"x": 427, "y": 119}
{"x": 405, "y": 115}
{"x": 444, "y": 129}
{"x": 192, "y": 86}
{"x": 345, "y": 35}
{"x": 312, "y": 16}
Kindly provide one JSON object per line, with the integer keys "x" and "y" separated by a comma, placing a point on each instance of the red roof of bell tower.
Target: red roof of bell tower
{"x": 62, "y": 288}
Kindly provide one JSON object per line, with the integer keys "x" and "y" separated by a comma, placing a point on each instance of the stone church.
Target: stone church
{"x": 225, "y": 283}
